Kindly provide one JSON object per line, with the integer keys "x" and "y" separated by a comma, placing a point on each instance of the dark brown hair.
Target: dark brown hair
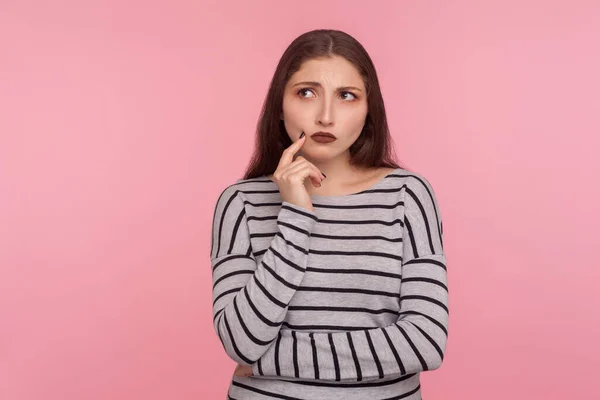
{"x": 373, "y": 148}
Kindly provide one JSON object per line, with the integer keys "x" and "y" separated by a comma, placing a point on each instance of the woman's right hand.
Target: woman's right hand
{"x": 290, "y": 176}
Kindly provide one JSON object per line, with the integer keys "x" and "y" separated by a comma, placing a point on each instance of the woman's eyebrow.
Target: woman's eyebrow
{"x": 317, "y": 84}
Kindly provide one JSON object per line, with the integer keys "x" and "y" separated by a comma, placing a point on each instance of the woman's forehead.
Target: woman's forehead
{"x": 328, "y": 72}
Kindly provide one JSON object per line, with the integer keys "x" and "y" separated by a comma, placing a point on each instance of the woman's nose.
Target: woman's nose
{"x": 326, "y": 114}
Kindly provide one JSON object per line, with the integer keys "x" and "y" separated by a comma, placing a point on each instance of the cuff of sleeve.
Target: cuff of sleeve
{"x": 255, "y": 371}
{"x": 298, "y": 216}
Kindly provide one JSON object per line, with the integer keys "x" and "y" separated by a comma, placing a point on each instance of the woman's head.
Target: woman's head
{"x": 325, "y": 81}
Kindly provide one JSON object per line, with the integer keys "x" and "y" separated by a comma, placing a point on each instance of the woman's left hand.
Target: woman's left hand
{"x": 243, "y": 370}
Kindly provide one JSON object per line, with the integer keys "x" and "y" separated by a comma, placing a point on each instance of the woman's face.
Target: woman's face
{"x": 326, "y": 94}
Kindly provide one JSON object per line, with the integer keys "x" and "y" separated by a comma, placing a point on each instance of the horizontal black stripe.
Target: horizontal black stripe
{"x": 390, "y": 190}
{"x": 326, "y": 327}
{"x": 231, "y": 257}
{"x": 364, "y": 384}
{"x": 271, "y": 204}
{"x": 282, "y": 207}
{"x": 361, "y": 222}
{"x": 266, "y": 218}
{"x": 240, "y": 272}
{"x": 425, "y": 260}
{"x": 262, "y": 234}
{"x": 347, "y": 290}
{"x": 405, "y": 395}
{"x": 329, "y": 252}
{"x": 342, "y": 309}
{"x": 303, "y": 231}
{"x": 225, "y": 293}
{"x": 331, "y": 206}
{"x": 304, "y": 213}
{"x": 353, "y": 271}
{"x": 355, "y": 237}
{"x": 263, "y": 392}
{"x": 329, "y": 237}
{"x": 361, "y": 206}
{"x": 426, "y": 298}
{"x": 355, "y": 253}
{"x": 428, "y": 280}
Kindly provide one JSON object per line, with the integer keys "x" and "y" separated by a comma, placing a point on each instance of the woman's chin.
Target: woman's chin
{"x": 317, "y": 156}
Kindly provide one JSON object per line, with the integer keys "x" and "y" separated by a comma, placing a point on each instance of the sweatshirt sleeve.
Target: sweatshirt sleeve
{"x": 415, "y": 342}
{"x": 250, "y": 298}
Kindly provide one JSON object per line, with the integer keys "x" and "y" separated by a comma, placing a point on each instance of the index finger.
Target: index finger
{"x": 288, "y": 154}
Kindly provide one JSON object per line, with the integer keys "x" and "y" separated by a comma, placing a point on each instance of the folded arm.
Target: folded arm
{"x": 250, "y": 299}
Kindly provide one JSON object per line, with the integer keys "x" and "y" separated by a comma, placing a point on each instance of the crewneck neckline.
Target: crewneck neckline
{"x": 349, "y": 195}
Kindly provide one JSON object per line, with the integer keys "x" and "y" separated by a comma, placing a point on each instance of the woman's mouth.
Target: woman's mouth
{"x": 323, "y": 137}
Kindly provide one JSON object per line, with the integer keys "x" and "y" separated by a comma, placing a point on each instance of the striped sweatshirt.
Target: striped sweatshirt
{"x": 349, "y": 301}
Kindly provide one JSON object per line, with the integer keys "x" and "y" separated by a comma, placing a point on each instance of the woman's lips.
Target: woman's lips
{"x": 322, "y": 139}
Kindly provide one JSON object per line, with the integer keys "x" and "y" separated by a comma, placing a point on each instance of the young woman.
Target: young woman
{"x": 329, "y": 274}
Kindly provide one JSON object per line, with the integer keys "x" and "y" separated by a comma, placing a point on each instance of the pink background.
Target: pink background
{"x": 121, "y": 122}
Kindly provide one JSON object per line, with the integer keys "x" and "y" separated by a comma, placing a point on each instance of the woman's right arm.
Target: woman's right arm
{"x": 250, "y": 299}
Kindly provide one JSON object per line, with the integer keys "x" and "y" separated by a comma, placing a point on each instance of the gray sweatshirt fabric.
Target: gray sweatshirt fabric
{"x": 347, "y": 302}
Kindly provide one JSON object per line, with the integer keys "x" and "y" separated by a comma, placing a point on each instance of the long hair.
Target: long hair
{"x": 373, "y": 148}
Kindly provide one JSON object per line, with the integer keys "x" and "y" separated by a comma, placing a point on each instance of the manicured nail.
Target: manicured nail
{"x": 301, "y": 135}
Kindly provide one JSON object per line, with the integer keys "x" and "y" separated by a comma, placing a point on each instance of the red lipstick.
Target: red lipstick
{"x": 323, "y": 137}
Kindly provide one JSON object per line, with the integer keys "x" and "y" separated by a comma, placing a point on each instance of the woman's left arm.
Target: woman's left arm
{"x": 415, "y": 342}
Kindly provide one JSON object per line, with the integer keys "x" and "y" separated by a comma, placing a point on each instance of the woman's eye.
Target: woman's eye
{"x": 351, "y": 94}
{"x": 301, "y": 91}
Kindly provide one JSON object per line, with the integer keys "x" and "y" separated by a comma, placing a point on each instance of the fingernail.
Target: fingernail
{"x": 301, "y": 135}
{"x": 324, "y": 175}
